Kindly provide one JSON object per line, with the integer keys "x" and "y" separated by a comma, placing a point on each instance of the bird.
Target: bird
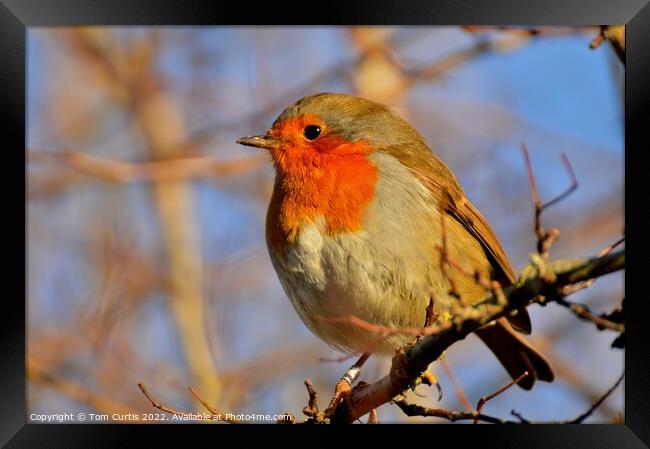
{"x": 359, "y": 210}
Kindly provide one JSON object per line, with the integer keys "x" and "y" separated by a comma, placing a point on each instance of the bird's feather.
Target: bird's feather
{"x": 436, "y": 176}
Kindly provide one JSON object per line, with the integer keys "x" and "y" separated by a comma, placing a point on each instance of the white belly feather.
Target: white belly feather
{"x": 379, "y": 273}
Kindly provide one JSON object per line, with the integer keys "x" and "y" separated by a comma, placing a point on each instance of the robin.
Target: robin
{"x": 354, "y": 228}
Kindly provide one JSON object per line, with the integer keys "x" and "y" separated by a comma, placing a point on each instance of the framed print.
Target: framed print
{"x": 376, "y": 214}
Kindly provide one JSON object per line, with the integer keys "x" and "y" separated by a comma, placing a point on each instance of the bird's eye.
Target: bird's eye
{"x": 311, "y": 132}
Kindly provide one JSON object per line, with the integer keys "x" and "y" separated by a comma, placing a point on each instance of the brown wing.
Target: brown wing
{"x": 436, "y": 176}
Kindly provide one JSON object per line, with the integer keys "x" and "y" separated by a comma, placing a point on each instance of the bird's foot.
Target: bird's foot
{"x": 427, "y": 378}
{"x": 343, "y": 390}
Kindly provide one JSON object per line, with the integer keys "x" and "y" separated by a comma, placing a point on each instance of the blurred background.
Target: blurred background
{"x": 146, "y": 253}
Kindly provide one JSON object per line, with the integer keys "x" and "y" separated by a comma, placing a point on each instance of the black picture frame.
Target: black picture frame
{"x": 17, "y": 15}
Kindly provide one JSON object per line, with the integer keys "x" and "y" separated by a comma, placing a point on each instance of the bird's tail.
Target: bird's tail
{"x": 515, "y": 353}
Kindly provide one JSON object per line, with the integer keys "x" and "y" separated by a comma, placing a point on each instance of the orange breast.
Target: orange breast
{"x": 334, "y": 180}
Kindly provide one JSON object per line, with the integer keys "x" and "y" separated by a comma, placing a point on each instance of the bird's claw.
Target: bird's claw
{"x": 427, "y": 378}
{"x": 342, "y": 391}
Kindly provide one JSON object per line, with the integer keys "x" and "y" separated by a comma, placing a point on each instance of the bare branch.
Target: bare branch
{"x": 583, "y": 416}
{"x": 583, "y": 312}
{"x": 596, "y": 404}
{"x": 546, "y": 238}
{"x": 163, "y": 407}
{"x": 210, "y": 408}
{"x": 476, "y": 415}
{"x": 158, "y": 171}
{"x": 484, "y": 399}
{"x": 419, "y": 410}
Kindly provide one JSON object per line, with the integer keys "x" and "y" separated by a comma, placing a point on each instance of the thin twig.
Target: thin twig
{"x": 484, "y": 399}
{"x": 458, "y": 390}
{"x": 572, "y": 188}
{"x": 165, "y": 170}
{"x": 164, "y": 408}
{"x": 476, "y": 415}
{"x": 419, "y": 410}
{"x": 583, "y": 416}
{"x": 583, "y": 312}
{"x": 210, "y": 408}
{"x": 545, "y": 239}
{"x": 596, "y": 404}
{"x": 569, "y": 289}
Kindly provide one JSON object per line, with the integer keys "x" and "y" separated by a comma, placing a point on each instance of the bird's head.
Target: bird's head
{"x": 331, "y": 124}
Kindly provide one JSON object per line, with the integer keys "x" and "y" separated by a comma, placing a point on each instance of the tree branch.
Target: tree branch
{"x": 158, "y": 171}
{"x": 409, "y": 362}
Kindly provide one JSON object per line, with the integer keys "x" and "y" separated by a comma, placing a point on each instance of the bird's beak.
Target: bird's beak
{"x": 265, "y": 141}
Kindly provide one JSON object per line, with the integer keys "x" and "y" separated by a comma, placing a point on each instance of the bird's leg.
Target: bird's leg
{"x": 343, "y": 388}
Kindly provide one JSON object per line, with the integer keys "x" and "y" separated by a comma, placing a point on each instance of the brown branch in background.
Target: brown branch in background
{"x": 163, "y": 407}
{"x": 583, "y": 416}
{"x": 546, "y": 238}
{"x": 583, "y": 312}
{"x": 482, "y": 401}
{"x": 210, "y": 408}
{"x": 76, "y": 392}
{"x": 214, "y": 413}
{"x": 458, "y": 390}
{"x": 419, "y": 410}
{"x": 476, "y": 415}
{"x": 531, "y": 32}
{"x": 615, "y": 34}
{"x": 158, "y": 171}
{"x": 596, "y": 404}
